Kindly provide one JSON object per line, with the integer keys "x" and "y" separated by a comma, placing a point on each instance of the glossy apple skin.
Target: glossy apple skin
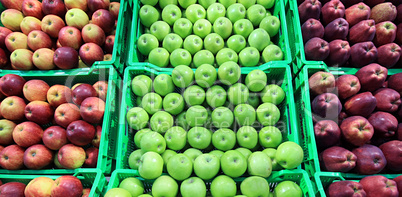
{"x": 35, "y": 90}
{"x": 326, "y": 105}
{"x": 339, "y": 53}
{"x": 337, "y": 29}
{"x": 398, "y": 181}
{"x": 83, "y": 91}
{"x": 67, "y": 185}
{"x": 92, "y": 110}
{"x": 362, "y": 32}
{"x": 379, "y": 186}
{"x": 309, "y": 9}
{"x": 393, "y": 152}
{"x": 39, "y": 112}
{"x": 12, "y": 157}
{"x": 12, "y": 108}
{"x": 32, "y": 8}
{"x": 14, "y": 4}
{"x": 15, "y": 189}
{"x": 80, "y": 133}
{"x": 92, "y": 157}
{"x": 90, "y": 53}
{"x": 362, "y": 104}
{"x": 109, "y": 44}
{"x": 370, "y": 159}
{"x": 65, "y": 58}
{"x": 338, "y": 159}
{"x": 346, "y": 188}
{"x": 372, "y": 76}
{"x": 327, "y": 133}
{"x": 52, "y": 24}
{"x": 394, "y": 81}
{"x": 384, "y": 123}
{"x": 54, "y": 137}
{"x": 389, "y": 55}
{"x": 55, "y": 7}
{"x": 58, "y": 94}
{"x": 388, "y": 100}
{"x": 347, "y": 86}
{"x": 357, "y": 130}
{"x": 37, "y": 157}
{"x": 66, "y": 113}
{"x": 363, "y": 53}
{"x": 316, "y": 49}
{"x": 27, "y": 134}
{"x": 332, "y": 10}
{"x": 3, "y": 34}
{"x": 321, "y": 82}
{"x": 71, "y": 156}
{"x": 104, "y": 19}
{"x": 312, "y": 28}
{"x": 97, "y": 138}
{"x": 11, "y": 85}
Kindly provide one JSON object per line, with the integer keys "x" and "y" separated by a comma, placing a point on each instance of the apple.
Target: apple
{"x": 13, "y": 108}
{"x": 16, "y": 40}
{"x": 173, "y": 103}
{"x": 268, "y": 114}
{"x": 25, "y": 129}
{"x": 118, "y": 192}
{"x": 243, "y": 27}
{"x": 180, "y": 57}
{"x": 338, "y": 159}
{"x": 372, "y": 76}
{"x": 159, "y": 57}
{"x": 287, "y": 189}
{"x": 55, "y": 7}
{"x": 83, "y": 91}
{"x": 176, "y": 138}
{"x": 153, "y": 141}
{"x": 321, "y": 82}
{"x": 93, "y": 33}
{"x": 114, "y": 8}
{"x": 195, "y": 12}
{"x": 193, "y": 44}
{"x": 236, "y": 12}
{"x": 54, "y": 137}
{"x": 52, "y": 24}
{"x": 205, "y": 75}
{"x": 233, "y": 163}
{"x": 165, "y": 186}
{"x": 6, "y": 132}
{"x": 12, "y": 157}
{"x": 271, "y": 25}
{"x": 12, "y": 85}
{"x": 11, "y": 19}
{"x": 223, "y": 26}
{"x": 259, "y": 164}
{"x": 357, "y": 130}
{"x": 12, "y": 4}
{"x": 137, "y": 118}
{"x": 80, "y": 133}
{"x": 391, "y": 150}
{"x": 259, "y": 39}
{"x": 236, "y": 42}
{"x": 272, "y": 93}
{"x": 13, "y": 189}
{"x": 182, "y": 76}
{"x": 222, "y": 117}
{"x": 151, "y": 165}
{"x": 35, "y": 90}
{"x": 91, "y": 157}
{"x": 179, "y": 167}
{"x": 256, "y": 13}
{"x": 214, "y": 11}
{"x": 132, "y": 185}
{"x": 183, "y": 27}
{"x": 194, "y": 95}
{"x": 29, "y": 24}
{"x": 229, "y": 73}
{"x": 39, "y": 112}
{"x": 58, "y": 94}
{"x": 135, "y": 158}
{"x": 255, "y": 186}
{"x": 223, "y": 185}
{"x": 161, "y": 121}
{"x": 32, "y": 8}
{"x": 76, "y": 18}
{"x": 294, "y": 155}
{"x": 379, "y": 185}
{"x": 71, "y": 156}
{"x": 347, "y": 188}
{"x": 327, "y": 133}
{"x": 370, "y": 159}
{"x": 141, "y": 85}
{"x": 70, "y": 4}
{"x": 65, "y": 58}
{"x": 108, "y": 46}
{"x": 3, "y": 34}
{"x": 40, "y": 186}
{"x": 202, "y": 28}
{"x": 384, "y": 124}
{"x": 199, "y": 137}
{"x": 270, "y": 137}
{"x": 244, "y": 114}
{"x": 148, "y": 15}
{"x": 70, "y": 37}
{"x": 171, "y": 42}
{"x": 104, "y": 19}
{"x": 37, "y": 157}
{"x": 94, "y": 5}
{"x": 21, "y": 59}
{"x": 213, "y": 42}
{"x": 225, "y": 55}
{"x": 256, "y": 80}
{"x": 43, "y": 59}
{"x": 152, "y": 103}
{"x": 192, "y": 187}
{"x": 171, "y": 13}
{"x": 90, "y": 53}
{"x": 388, "y": 99}
{"x": 101, "y": 89}
{"x": 272, "y": 53}
{"x": 67, "y": 185}
{"x": 92, "y": 110}
{"x": 98, "y": 136}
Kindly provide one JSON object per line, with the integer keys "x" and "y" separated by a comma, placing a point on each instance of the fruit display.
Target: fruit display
{"x": 191, "y": 33}
{"x": 56, "y": 34}
{"x": 350, "y": 33}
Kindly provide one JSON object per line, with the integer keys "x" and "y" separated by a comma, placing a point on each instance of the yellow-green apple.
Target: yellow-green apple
{"x": 12, "y": 157}
{"x": 101, "y": 89}
{"x": 165, "y": 156}
{"x": 272, "y": 93}
{"x": 236, "y": 43}
{"x": 71, "y": 156}
{"x": 104, "y": 19}
{"x": 92, "y": 110}
{"x": 214, "y": 11}
{"x": 259, "y": 164}
{"x": 90, "y": 53}
{"x": 384, "y": 124}
{"x": 43, "y": 59}
{"x": 27, "y": 134}
{"x": 161, "y": 121}
{"x": 151, "y": 165}
{"x": 289, "y": 155}
{"x": 54, "y": 137}
{"x": 326, "y": 105}
{"x": 35, "y": 90}
{"x": 388, "y": 99}
{"x": 388, "y": 55}
{"x": 392, "y": 152}
{"x": 223, "y": 185}
{"x": 67, "y": 185}
{"x": 193, "y": 44}
{"x": 233, "y": 163}
{"x": 37, "y": 157}
{"x": 21, "y": 59}
{"x": 383, "y": 12}
{"x": 193, "y": 186}
{"x": 259, "y": 39}
{"x": 39, "y": 112}
{"x": 216, "y": 96}
{"x": 316, "y": 49}
{"x": 238, "y": 93}
{"x": 337, "y": 159}
{"x": 153, "y": 141}
{"x": 70, "y": 4}
{"x": 256, "y": 186}
{"x": 192, "y": 153}
{"x": 16, "y": 40}
{"x": 236, "y": 12}
{"x": 370, "y": 159}
{"x": 13, "y": 189}
{"x": 38, "y": 39}
{"x": 229, "y": 73}
{"x": 194, "y": 95}
{"x": 223, "y": 26}
{"x": 119, "y": 192}
{"x": 114, "y": 8}
{"x": 3, "y": 34}
{"x": 52, "y": 24}
{"x": 109, "y": 44}
{"x": 165, "y": 186}
{"x": 243, "y": 27}
{"x": 199, "y": 137}
{"x": 55, "y": 7}
{"x": 176, "y": 138}
{"x": 272, "y": 53}
{"x": 271, "y": 25}
{"x": 80, "y": 133}
{"x": 93, "y": 33}
{"x": 362, "y": 104}
{"x": 12, "y": 108}
{"x": 247, "y": 137}
{"x": 171, "y": 13}
{"x": 91, "y": 157}
{"x": 213, "y": 42}
{"x": 148, "y": 15}
{"x": 132, "y": 185}
{"x": 65, "y": 57}
{"x": 195, "y": 12}
{"x": 40, "y": 186}
{"x": 347, "y": 86}
{"x": 98, "y": 136}
{"x": 70, "y": 37}
{"x": 29, "y": 24}
{"x": 256, "y": 80}
{"x": 56, "y": 161}
{"x": 256, "y": 13}
{"x": 151, "y": 103}
{"x": 146, "y": 43}
{"x": 288, "y": 188}
{"x": 77, "y": 18}
{"x": 171, "y": 42}
{"x": 270, "y": 137}
{"x": 327, "y": 133}
{"x": 357, "y": 130}
{"x": 310, "y": 29}
{"x": 225, "y": 55}
{"x": 268, "y": 114}
{"x": 179, "y": 167}
{"x": 32, "y": 8}
{"x": 94, "y": 5}
{"x": 379, "y": 186}
{"x": 137, "y": 118}
{"x": 6, "y": 132}
{"x": 206, "y": 166}
{"x": 83, "y": 91}
{"x": 11, "y": 19}
{"x": 346, "y": 188}
{"x": 11, "y": 85}
{"x": 58, "y": 94}
{"x": 163, "y": 84}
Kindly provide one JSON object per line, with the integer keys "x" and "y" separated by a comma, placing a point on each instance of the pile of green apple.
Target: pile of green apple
{"x": 189, "y": 123}
{"x": 191, "y": 33}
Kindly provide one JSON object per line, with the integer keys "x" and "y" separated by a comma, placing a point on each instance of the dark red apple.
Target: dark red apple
{"x": 372, "y": 77}
{"x": 362, "y": 32}
{"x": 393, "y": 153}
{"x": 339, "y": 53}
{"x": 357, "y": 130}
{"x": 67, "y": 185}
{"x": 312, "y": 28}
{"x": 55, "y": 7}
{"x": 362, "y": 53}
{"x": 379, "y": 186}
{"x": 98, "y": 137}
{"x": 327, "y": 133}
{"x": 65, "y": 58}
{"x": 37, "y": 157}
{"x": 316, "y": 49}
{"x": 80, "y": 133}
{"x": 398, "y": 181}
{"x": 92, "y": 157}
{"x": 337, "y": 29}
{"x": 338, "y": 159}
{"x": 94, "y": 5}
{"x": 347, "y": 86}
{"x": 104, "y": 19}
{"x": 332, "y": 10}
{"x": 309, "y": 9}
{"x": 370, "y": 159}
{"x": 92, "y": 110}
{"x": 345, "y": 188}
{"x": 362, "y": 104}
{"x": 109, "y": 44}
{"x": 388, "y": 55}
{"x": 388, "y": 100}
{"x": 3, "y": 34}
{"x": 90, "y": 53}
{"x": 83, "y": 91}
{"x": 39, "y": 112}
{"x": 15, "y": 189}
{"x": 326, "y": 106}
{"x": 12, "y": 157}
{"x": 11, "y": 84}
{"x": 54, "y": 137}
{"x": 384, "y": 123}
{"x": 394, "y": 82}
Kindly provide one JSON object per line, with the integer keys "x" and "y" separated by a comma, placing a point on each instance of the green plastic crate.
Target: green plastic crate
{"x": 276, "y": 74}
{"x": 110, "y": 118}
{"x": 119, "y": 49}
{"x": 298, "y": 176}
{"x": 93, "y": 179}
{"x": 305, "y": 122}
{"x": 134, "y": 56}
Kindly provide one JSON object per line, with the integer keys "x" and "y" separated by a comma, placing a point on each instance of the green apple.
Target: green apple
{"x": 185, "y": 3}
{"x": 149, "y": 2}
{"x": 148, "y": 15}
{"x": 165, "y": 186}
{"x": 217, "y": 153}
{"x": 247, "y": 3}
{"x": 272, "y": 53}
{"x": 195, "y": 12}
{"x": 259, "y": 39}
{"x": 243, "y": 27}
{"x": 151, "y": 165}
{"x": 171, "y": 13}
{"x": 137, "y": 118}
{"x": 249, "y": 57}
{"x": 226, "y": 55}
{"x": 76, "y": 18}
{"x": 160, "y": 29}
{"x": 227, "y": 3}
{"x": 182, "y": 76}
{"x": 138, "y": 101}
{"x": 145, "y": 195}
{"x": 159, "y": 57}
{"x": 206, "y": 166}
{"x": 255, "y": 186}
{"x": 233, "y": 163}
{"x": 238, "y": 94}
{"x": 206, "y": 3}
{"x": 161, "y": 121}
{"x": 193, "y": 44}
{"x": 259, "y": 164}
{"x": 247, "y": 137}
{"x": 256, "y": 13}
{"x": 166, "y": 156}
{"x": 117, "y": 192}
{"x": 270, "y": 137}
{"x": 215, "y": 11}
{"x": 289, "y": 155}
{"x": 236, "y": 12}
{"x": 153, "y": 141}
{"x": 216, "y": 96}
{"x": 180, "y": 167}
{"x": 205, "y": 75}
{"x": 172, "y": 41}
{"x": 236, "y": 43}
{"x": 272, "y": 93}
{"x": 203, "y": 57}
{"x": 271, "y": 24}
{"x": 288, "y": 189}
{"x": 224, "y": 139}
{"x": 253, "y": 99}
{"x": 268, "y": 4}
{"x": 268, "y": 114}
{"x": 196, "y": 116}
{"x": 151, "y": 102}
{"x": 146, "y": 43}
{"x": 256, "y": 80}
{"x": 223, "y": 26}
{"x": 138, "y": 135}
{"x": 180, "y": 57}
{"x": 222, "y": 186}
{"x": 199, "y": 137}
{"x": 213, "y": 42}
{"x": 134, "y": 159}
{"x": 164, "y": 3}
{"x": 132, "y": 185}
{"x": 222, "y": 117}
{"x": 163, "y": 84}
{"x": 192, "y": 153}
{"x": 244, "y": 151}
{"x": 202, "y": 28}
{"x": 193, "y": 187}
{"x": 194, "y": 95}
{"x": 176, "y": 138}
{"x": 173, "y": 103}
{"x": 183, "y": 27}
{"x": 244, "y": 114}
{"x": 271, "y": 152}
{"x": 181, "y": 121}
{"x": 141, "y": 85}
{"x": 229, "y": 73}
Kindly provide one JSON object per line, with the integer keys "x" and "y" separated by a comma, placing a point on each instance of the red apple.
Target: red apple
{"x": 338, "y": 159}
{"x": 54, "y": 137}
{"x": 384, "y": 123}
{"x": 66, "y": 113}
{"x": 339, "y": 53}
{"x": 71, "y": 156}
{"x": 37, "y": 157}
{"x": 12, "y": 157}
{"x": 92, "y": 110}
{"x": 40, "y": 186}
{"x": 32, "y": 8}
{"x": 86, "y": 192}
{"x": 101, "y": 89}
{"x": 393, "y": 153}
{"x": 321, "y": 82}
{"x": 379, "y": 186}
{"x": 3, "y": 34}
{"x": 394, "y": 82}
{"x": 385, "y": 32}
{"x": 6, "y": 132}
{"x": 92, "y": 157}
{"x": 94, "y": 5}
{"x": 55, "y": 7}
{"x": 39, "y": 112}
{"x": 70, "y": 4}
{"x": 43, "y": 59}
{"x": 70, "y": 37}
{"x": 91, "y": 53}
{"x": 58, "y": 94}
{"x": 13, "y": 108}
{"x": 388, "y": 99}
{"x": 12, "y": 4}
{"x": 114, "y": 8}
{"x": 372, "y": 76}
{"x": 370, "y": 159}
{"x": 357, "y": 130}
{"x": 326, "y": 106}
{"x": 15, "y": 189}
{"x": 27, "y": 134}
{"x": 109, "y": 44}
{"x": 39, "y": 39}
{"x": 398, "y": 181}
{"x": 98, "y": 136}
{"x": 104, "y": 19}
{"x": 11, "y": 85}
{"x": 362, "y": 104}
{"x": 327, "y": 133}
{"x": 52, "y": 24}
{"x": 3, "y": 58}
{"x": 35, "y": 90}
{"x": 65, "y": 58}
{"x": 16, "y": 40}
{"x": 347, "y": 86}
{"x": 93, "y": 33}
{"x": 83, "y": 91}
{"x": 399, "y": 131}
{"x": 21, "y": 59}
{"x": 388, "y": 55}
{"x": 30, "y": 23}
{"x": 80, "y": 133}
{"x": 346, "y": 188}
{"x": 67, "y": 186}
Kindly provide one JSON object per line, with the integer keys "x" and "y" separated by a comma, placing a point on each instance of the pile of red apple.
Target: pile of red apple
{"x": 43, "y": 186}
{"x": 352, "y": 33}
{"x": 356, "y": 120}
{"x": 45, "y": 125}
{"x": 192, "y": 33}
{"x": 56, "y": 34}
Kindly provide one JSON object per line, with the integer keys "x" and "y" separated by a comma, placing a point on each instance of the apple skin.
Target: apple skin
{"x": 40, "y": 186}
{"x": 16, "y": 40}
{"x": 347, "y": 86}
{"x": 11, "y": 18}
{"x": 309, "y": 9}
{"x": 392, "y": 151}
{"x": 104, "y": 19}
{"x": 114, "y": 8}
{"x": 372, "y": 76}
{"x": 389, "y": 54}
{"x": 15, "y": 4}
{"x": 71, "y": 156}
{"x": 339, "y": 53}
{"x": 38, "y": 39}
{"x": 93, "y": 33}
{"x": 66, "y": 113}
{"x": 337, "y": 159}
{"x": 29, "y": 24}
{"x": 312, "y": 28}
{"x": 90, "y": 53}
{"x": 3, "y": 34}
{"x": 327, "y": 133}
{"x": 58, "y": 94}
{"x": 398, "y": 181}
{"x": 32, "y": 8}
{"x": 346, "y": 188}
{"x": 326, "y": 105}
{"x": 70, "y": 37}
{"x": 12, "y": 157}
{"x": 27, "y": 134}
{"x": 362, "y": 32}
{"x": 92, "y": 110}
{"x": 109, "y": 44}
{"x": 337, "y": 29}
{"x": 384, "y": 123}
{"x": 43, "y": 59}
{"x": 13, "y": 108}
{"x": 385, "y": 33}
{"x": 54, "y": 137}
{"x": 92, "y": 157}
{"x": 21, "y": 59}
{"x": 321, "y": 82}
{"x": 52, "y": 24}
{"x": 357, "y": 130}
{"x": 13, "y": 189}
{"x": 316, "y": 49}
{"x": 67, "y": 185}
{"x": 379, "y": 186}
{"x": 37, "y": 157}
{"x": 370, "y": 159}
{"x": 80, "y": 133}
{"x": 6, "y": 135}
{"x": 383, "y": 12}
{"x": 11, "y": 85}
{"x": 332, "y": 10}
{"x": 35, "y": 90}
{"x": 388, "y": 100}
{"x": 362, "y": 104}
{"x": 94, "y": 5}
{"x": 55, "y": 7}
{"x": 4, "y": 58}
{"x": 393, "y": 82}
{"x": 65, "y": 58}
{"x": 98, "y": 136}
{"x": 39, "y": 112}
{"x": 362, "y": 53}
{"x": 83, "y": 91}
